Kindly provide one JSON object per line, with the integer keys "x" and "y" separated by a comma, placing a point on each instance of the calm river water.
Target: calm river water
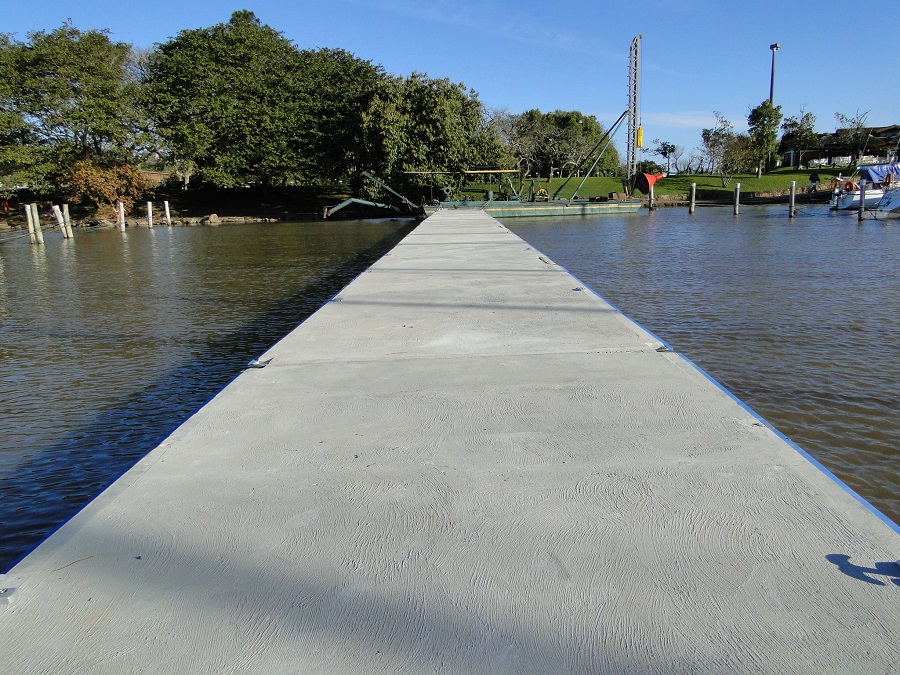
{"x": 799, "y": 318}
{"x": 109, "y": 342}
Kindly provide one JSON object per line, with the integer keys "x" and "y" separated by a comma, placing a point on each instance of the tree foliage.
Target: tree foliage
{"x": 229, "y": 98}
{"x": 763, "y": 121}
{"x": 238, "y": 103}
{"x": 555, "y": 141}
{"x": 341, "y": 94}
{"x": 799, "y": 133}
{"x": 715, "y": 142}
{"x": 243, "y": 103}
{"x": 852, "y": 131}
{"x": 664, "y": 149}
{"x": 89, "y": 182}
{"x": 66, "y": 95}
{"x": 726, "y": 152}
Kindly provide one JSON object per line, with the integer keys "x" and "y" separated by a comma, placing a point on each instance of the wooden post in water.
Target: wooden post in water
{"x": 652, "y": 199}
{"x": 150, "y": 215}
{"x": 693, "y": 205}
{"x": 793, "y": 211}
{"x": 737, "y": 199}
{"x": 862, "y": 199}
{"x": 120, "y": 209}
{"x": 30, "y": 220}
{"x": 38, "y": 235}
{"x": 68, "y": 220}
{"x": 168, "y": 215}
{"x": 60, "y": 221}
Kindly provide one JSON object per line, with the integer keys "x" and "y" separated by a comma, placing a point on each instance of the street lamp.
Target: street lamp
{"x": 774, "y": 49}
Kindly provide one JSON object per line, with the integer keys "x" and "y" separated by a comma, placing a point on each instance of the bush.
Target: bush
{"x": 101, "y": 186}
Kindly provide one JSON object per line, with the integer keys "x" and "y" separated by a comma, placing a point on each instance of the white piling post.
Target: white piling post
{"x": 737, "y": 199}
{"x": 693, "y": 205}
{"x": 150, "y": 215}
{"x": 68, "y": 221}
{"x": 168, "y": 215}
{"x": 652, "y": 199}
{"x": 121, "y": 211}
{"x": 30, "y": 220}
{"x": 60, "y": 221}
{"x": 862, "y": 199}
{"x": 38, "y": 234}
{"x": 792, "y": 211}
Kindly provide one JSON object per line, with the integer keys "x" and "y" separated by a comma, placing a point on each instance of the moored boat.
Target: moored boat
{"x": 889, "y": 205}
{"x": 847, "y": 193}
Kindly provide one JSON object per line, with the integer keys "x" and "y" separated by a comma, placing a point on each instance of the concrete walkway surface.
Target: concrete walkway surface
{"x": 465, "y": 463}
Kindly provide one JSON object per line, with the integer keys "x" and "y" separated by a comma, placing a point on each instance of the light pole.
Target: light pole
{"x": 774, "y": 49}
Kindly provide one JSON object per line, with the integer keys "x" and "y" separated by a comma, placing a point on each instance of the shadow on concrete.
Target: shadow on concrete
{"x": 891, "y": 570}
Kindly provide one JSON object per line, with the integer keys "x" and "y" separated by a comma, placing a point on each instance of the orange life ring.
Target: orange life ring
{"x": 850, "y": 185}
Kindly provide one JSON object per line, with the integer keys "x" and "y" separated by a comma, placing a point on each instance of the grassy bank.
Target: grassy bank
{"x": 303, "y": 203}
{"x": 709, "y": 186}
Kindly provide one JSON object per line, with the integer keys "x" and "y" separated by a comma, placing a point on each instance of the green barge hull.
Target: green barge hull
{"x": 517, "y": 209}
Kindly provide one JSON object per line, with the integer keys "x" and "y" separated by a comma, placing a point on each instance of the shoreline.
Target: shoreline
{"x": 275, "y": 212}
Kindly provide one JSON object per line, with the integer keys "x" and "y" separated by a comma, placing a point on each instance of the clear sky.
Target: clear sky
{"x": 697, "y": 57}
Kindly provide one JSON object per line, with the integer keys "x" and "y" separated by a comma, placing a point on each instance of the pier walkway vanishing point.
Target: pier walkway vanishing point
{"x": 466, "y": 462}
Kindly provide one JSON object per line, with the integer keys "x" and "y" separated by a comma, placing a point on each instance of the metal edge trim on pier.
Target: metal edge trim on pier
{"x": 803, "y": 453}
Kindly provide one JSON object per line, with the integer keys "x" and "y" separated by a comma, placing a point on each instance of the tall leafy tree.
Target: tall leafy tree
{"x": 66, "y": 96}
{"x": 15, "y": 134}
{"x": 726, "y": 152}
{"x": 715, "y": 143}
{"x": 561, "y": 140}
{"x": 852, "y": 132}
{"x": 764, "y": 121}
{"x": 230, "y": 99}
{"x": 343, "y": 94}
{"x": 441, "y": 127}
{"x": 664, "y": 149}
{"x": 799, "y": 133}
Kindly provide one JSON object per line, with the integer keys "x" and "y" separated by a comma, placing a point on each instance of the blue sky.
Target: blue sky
{"x": 697, "y": 57}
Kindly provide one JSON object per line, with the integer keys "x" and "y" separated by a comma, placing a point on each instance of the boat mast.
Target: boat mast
{"x": 634, "y": 70}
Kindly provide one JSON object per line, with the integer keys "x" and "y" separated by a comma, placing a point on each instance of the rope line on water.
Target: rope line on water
{"x": 53, "y": 226}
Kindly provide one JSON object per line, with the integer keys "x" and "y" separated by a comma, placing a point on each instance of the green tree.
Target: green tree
{"x": 15, "y": 134}
{"x": 852, "y": 132}
{"x": 764, "y": 121}
{"x": 230, "y": 100}
{"x": 715, "y": 144}
{"x": 726, "y": 152}
{"x": 799, "y": 133}
{"x": 649, "y": 166}
{"x": 340, "y": 139}
{"x": 740, "y": 155}
{"x": 664, "y": 149}
{"x": 559, "y": 140}
{"x": 66, "y": 95}
{"x": 441, "y": 126}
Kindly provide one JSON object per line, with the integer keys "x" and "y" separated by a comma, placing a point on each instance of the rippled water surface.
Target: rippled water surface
{"x": 800, "y": 318}
{"x": 110, "y": 341}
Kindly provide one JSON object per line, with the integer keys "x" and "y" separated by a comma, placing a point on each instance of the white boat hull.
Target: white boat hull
{"x": 842, "y": 199}
{"x": 889, "y": 206}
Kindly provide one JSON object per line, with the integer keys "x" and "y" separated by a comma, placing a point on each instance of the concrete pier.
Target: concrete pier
{"x": 465, "y": 463}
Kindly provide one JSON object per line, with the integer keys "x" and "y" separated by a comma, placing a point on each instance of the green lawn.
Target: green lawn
{"x": 779, "y": 179}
